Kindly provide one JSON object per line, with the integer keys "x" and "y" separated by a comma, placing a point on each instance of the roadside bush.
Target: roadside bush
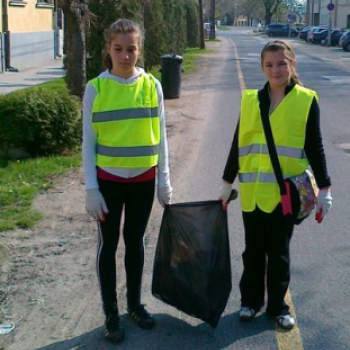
{"x": 40, "y": 121}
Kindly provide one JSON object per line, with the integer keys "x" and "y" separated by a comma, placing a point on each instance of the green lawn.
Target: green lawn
{"x": 21, "y": 180}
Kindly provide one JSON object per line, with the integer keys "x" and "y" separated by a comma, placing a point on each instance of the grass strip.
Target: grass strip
{"x": 21, "y": 180}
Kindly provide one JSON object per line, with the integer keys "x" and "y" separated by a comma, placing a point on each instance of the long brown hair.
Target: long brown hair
{"x": 121, "y": 26}
{"x": 277, "y": 45}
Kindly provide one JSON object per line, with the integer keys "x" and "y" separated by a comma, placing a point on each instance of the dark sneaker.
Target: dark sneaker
{"x": 247, "y": 314}
{"x": 113, "y": 330}
{"x": 141, "y": 317}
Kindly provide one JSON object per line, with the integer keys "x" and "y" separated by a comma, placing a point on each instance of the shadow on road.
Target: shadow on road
{"x": 171, "y": 333}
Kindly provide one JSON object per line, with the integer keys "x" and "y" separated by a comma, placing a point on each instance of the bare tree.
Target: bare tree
{"x": 77, "y": 18}
{"x": 251, "y": 9}
{"x": 225, "y": 8}
{"x": 271, "y": 7}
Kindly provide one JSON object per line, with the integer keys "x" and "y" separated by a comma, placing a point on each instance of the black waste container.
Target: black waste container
{"x": 171, "y": 75}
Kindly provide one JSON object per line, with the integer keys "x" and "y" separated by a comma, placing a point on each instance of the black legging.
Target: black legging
{"x": 136, "y": 199}
{"x": 267, "y": 238}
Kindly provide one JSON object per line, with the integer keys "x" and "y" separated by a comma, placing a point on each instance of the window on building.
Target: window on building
{"x": 17, "y": 3}
{"x": 50, "y": 2}
{"x": 44, "y": 3}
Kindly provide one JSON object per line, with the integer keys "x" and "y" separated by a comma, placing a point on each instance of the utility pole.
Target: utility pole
{"x": 212, "y": 20}
{"x": 201, "y": 26}
{"x": 7, "y": 43}
{"x": 330, "y": 8}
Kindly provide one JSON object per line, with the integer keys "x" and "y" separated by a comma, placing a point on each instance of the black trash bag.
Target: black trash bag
{"x": 192, "y": 265}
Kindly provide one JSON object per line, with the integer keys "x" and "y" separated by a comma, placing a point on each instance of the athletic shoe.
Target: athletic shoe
{"x": 141, "y": 317}
{"x": 285, "y": 321}
{"x": 247, "y": 314}
{"x": 113, "y": 330}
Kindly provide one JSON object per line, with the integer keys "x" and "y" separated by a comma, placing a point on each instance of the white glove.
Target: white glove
{"x": 164, "y": 195}
{"x": 96, "y": 205}
{"x": 225, "y": 193}
{"x": 324, "y": 202}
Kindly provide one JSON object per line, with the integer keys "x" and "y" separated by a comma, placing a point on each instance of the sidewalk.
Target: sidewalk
{"x": 47, "y": 71}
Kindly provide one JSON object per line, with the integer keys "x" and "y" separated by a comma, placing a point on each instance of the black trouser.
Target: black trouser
{"x": 136, "y": 199}
{"x": 267, "y": 238}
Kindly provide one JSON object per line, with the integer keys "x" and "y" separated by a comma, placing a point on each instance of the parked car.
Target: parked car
{"x": 321, "y": 36}
{"x": 280, "y": 29}
{"x": 344, "y": 41}
{"x": 310, "y": 33}
{"x": 303, "y": 32}
{"x": 207, "y": 29}
{"x": 335, "y": 37}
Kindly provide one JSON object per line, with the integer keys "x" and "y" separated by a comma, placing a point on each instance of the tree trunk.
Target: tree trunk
{"x": 271, "y": 7}
{"x": 268, "y": 17}
{"x": 201, "y": 25}
{"x": 212, "y": 33}
{"x": 75, "y": 12}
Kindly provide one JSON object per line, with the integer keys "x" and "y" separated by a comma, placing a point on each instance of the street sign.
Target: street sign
{"x": 330, "y": 7}
{"x": 290, "y": 16}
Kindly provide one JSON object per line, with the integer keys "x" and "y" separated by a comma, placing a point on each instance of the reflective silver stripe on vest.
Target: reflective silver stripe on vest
{"x": 144, "y": 151}
{"x": 251, "y": 149}
{"x": 281, "y": 150}
{"x": 132, "y": 113}
{"x": 253, "y": 177}
{"x": 263, "y": 178}
{"x": 247, "y": 177}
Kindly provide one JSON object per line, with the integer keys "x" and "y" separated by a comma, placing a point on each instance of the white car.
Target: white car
{"x": 207, "y": 28}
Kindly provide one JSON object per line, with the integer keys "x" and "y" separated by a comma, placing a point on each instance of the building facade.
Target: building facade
{"x": 318, "y": 13}
{"x": 29, "y": 33}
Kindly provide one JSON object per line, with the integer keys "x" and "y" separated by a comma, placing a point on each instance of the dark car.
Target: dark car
{"x": 335, "y": 37}
{"x": 310, "y": 33}
{"x": 321, "y": 37}
{"x": 303, "y": 32}
{"x": 344, "y": 41}
{"x": 280, "y": 30}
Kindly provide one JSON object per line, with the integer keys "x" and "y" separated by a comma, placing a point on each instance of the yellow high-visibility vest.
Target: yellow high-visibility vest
{"x": 126, "y": 121}
{"x": 257, "y": 180}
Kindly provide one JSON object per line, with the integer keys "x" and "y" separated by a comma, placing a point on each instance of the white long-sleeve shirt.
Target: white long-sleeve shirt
{"x": 90, "y": 140}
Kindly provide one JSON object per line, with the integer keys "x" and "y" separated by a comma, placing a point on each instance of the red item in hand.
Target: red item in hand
{"x": 319, "y": 216}
{"x": 286, "y": 201}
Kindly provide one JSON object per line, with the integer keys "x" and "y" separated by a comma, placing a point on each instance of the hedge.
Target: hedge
{"x": 39, "y": 121}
